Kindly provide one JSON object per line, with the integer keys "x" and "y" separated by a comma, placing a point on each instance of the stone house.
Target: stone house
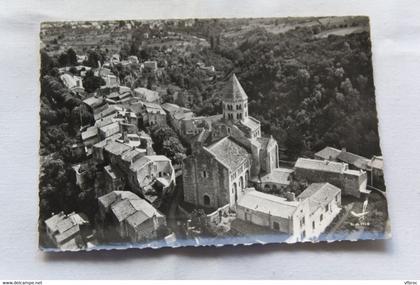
{"x": 303, "y": 218}
{"x": 351, "y": 182}
{"x": 66, "y": 231}
{"x": 132, "y": 218}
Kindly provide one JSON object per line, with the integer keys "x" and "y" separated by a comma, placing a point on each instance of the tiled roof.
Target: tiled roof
{"x": 233, "y": 90}
{"x": 93, "y": 101}
{"x": 107, "y": 199}
{"x": 89, "y": 133}
{"x": 353, "y": 159}
{"x": 122, "y": 209}
{"x": 268, "y": 204}
{"x": 328, "y": 153}
{"x": 67, "y": 234}
{"x": 116, "y": 148}
{"x": 321, "y": 165}
{"x": 148, "y": 95}
{"x": 229, "y": 153}
{"x": 319, "y": 195}
{"x": 153, "y": 108}
{"x": 278, "y": 175}
{"x": 377, "y": 162}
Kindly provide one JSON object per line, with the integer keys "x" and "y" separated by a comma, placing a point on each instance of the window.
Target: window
{"x": 160, "y": 173}
{"x": 276, "y": 226}
{"x": 204, "y": 174}
{"x": 238, "y": 107}
{"x": 321, "y": 217}
{"x": 326, "y": 208}
{"x": 239, "y": 116}
{"x": 302, "y": 222}
{"x": 313, "y": 225}
{"x": 206, "y": 200}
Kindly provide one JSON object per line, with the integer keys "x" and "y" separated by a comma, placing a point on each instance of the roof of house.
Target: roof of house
{"x": 73, "y": 230}
{"x": 233, "y": 90}
{"x": 153, "y": 108}
{"x": 122, "y": 209}
{"x": 319, "y": 195}
{"x": 144, "y": 211}
{"x": 182, "y": 115}
{"x": 93, "y": 101}
{"x": 328, "y": 153}
{"x": 107, "y": 199}
{"x": 53, "y": 221}
{"x": 89, "y": 133}
{"x": 353, "y": 159}
{"x": 321, "y": 165}
{"x": 129, "y": 155}
{"x": 268, "y": 204}
{"x": 171, "y": 108}
{"x": 377, "y": 162}
{"x": 228, "y": 152}
{"x": 149, "y": 95}
{"x": 114, "y": 127}
{"x": 69, "y": 80}
{"x": 116, "y": 148}
{"x": 108, "y": 111}
{"x": 145, "y": 160}
{"x": 278, "y": 175}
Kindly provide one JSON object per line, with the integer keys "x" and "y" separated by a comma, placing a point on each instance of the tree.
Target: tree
{"x": 92, "y": 82}
{"x": 93, "y": 58}
{"x": 71, "y": 57}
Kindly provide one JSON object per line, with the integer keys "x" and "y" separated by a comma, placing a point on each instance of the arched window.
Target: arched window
{"x": 206, "y": 200}
{"x": 241, "y": 182}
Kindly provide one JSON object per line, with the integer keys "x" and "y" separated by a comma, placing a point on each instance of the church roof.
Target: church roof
{"x": 233, "y": 90}
{"x": 229, "y": 153}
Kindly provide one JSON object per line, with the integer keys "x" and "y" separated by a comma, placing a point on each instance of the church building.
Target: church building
{"x": 228, "y": 156}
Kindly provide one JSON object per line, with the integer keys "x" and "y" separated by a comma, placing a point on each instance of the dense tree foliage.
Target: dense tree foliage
{"x": 310, "y": 92}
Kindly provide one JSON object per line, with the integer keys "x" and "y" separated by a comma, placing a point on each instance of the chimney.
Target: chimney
{"x": 290, "y": 196}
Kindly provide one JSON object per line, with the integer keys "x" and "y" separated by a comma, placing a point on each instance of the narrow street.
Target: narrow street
{"x": 172, "y": 217}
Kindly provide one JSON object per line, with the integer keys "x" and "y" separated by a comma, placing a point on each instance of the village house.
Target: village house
{"x": 303, "y": 218}
{"x": 279, "y": 214}
{"x": 351, "y": 182}
{"x": 151, "y": 65}
{"x": 216, "y": 175}
{"x": 73, "y": 83}
{"x": 95, "y": 104}
{"x": 147, "y": 95}
{"x": 150, "y": 113}
{"x": 89, "y": 138}
{"x": 114, "y": 179}
{"x": 324, "y": 205}
{"x": 327, "y": 153}
{"x": 176, "y": 114}
{"x": 67, "y": 231}
{"x": 136, "y": 220}
{"x": 152, "y": 173}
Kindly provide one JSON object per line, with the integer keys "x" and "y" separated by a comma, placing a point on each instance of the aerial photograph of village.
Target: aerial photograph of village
{"x": 189, "y": 132}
